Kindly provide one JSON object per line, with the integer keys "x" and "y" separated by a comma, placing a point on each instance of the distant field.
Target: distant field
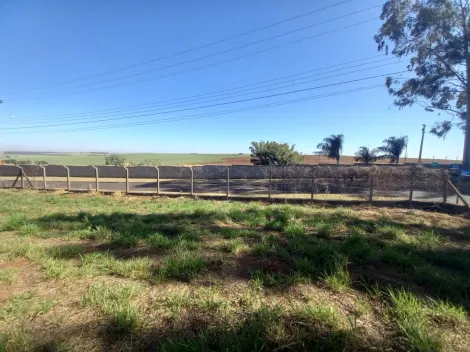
{"x": 345, "y": 160}
{"x": 181, "y": 159}
{"x": 88, "y": 159}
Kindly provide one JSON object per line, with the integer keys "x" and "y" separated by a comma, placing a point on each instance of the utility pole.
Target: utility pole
{"x": 423, "y": 131}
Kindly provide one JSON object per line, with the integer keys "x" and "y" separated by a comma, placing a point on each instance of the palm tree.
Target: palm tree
{"x": 393, "y": 147}
{"x": 331, "y": 147}
{"x": 366, "y": 155}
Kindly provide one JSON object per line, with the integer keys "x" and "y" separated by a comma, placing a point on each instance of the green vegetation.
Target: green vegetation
{"x": 137, "y": 158}
{"x": 393, "y": 147}
{"x": 332, "y": 147}
{"x": 428, "y": 34}
{"x": 185, "y": 274}
{"x": 273, "y": 153}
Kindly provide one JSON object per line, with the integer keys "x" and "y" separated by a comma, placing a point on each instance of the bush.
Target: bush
{"x": 115, "y": 160}
{"x": 273, "y": 153}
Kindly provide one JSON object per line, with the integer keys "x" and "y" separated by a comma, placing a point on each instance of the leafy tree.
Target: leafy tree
{"x": 366, "y": 155}
{"x": 332, "y": 147}
{"x": 115, "y": 160}
{"x": 436, "y": 36}
{"x": 273, "y": 153}
{"x": 393, "y": 147}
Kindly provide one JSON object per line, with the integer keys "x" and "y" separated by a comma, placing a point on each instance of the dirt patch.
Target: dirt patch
{"x": 28, "y": 276}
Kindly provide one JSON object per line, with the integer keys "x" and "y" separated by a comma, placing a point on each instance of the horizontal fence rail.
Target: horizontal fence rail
{"x": 347, "y": 183}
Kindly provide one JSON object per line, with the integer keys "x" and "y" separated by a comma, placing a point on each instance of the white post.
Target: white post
{"x": 158, "y": 180}
{"x": 127, "y": 179}
{"x": 44, "y": 176}
{"x": 96, "y": 177}
{"x": 68, "y": 177}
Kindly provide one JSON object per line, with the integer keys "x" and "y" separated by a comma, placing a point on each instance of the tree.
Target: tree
{"x": 366, "y": 155}
{"x": 436, "y": 34}
{"x": 393, "y": 147}
{"x": 332, "y": 147}
{"x": 115, "y": 160}
{"x": 273, "y": 153}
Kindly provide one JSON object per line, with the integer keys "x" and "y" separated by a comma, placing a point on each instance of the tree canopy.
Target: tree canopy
{"x": 393, "y": 148}
{"x": 273, "y": 153}
{"x": 115, "y": 160}
{"x": 366, "y": 155}
{"x": 332, "y": 147}
{"x": 434, "y": 35}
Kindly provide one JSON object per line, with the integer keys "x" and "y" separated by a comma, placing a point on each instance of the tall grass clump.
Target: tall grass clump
{"x": 182, "y": 265}
{"x": 338, "y": 277}
{"x": 13, "y": 222}
{"x": 409, "y": 314}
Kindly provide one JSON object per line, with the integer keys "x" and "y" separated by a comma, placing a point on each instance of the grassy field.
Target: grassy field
{"x": 100, "y": 273}
{"x": 189, "y": 159}
{"x": 165, "y": 159}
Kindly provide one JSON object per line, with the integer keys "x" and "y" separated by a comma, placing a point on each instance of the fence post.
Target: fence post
{"x": 96, "y": 177}
{"x": 228, "y": 182}
{"x": 127, "y": 179}
{"x": 313, "y": 183}
{"x": 412, "y": 183}
{"x": 445, "y": 178}
{"x": 22, "y": 177}
{"x": 44, "y": 176}
{"x": 270, "y": 180}
{"x": 158, "y": 179}
{"x": 371, "y": 186}
{"x": 68, "y": 177}
{"x": 192, "y": 180}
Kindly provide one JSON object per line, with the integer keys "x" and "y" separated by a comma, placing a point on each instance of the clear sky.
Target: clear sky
{"x": 47, "y": 43}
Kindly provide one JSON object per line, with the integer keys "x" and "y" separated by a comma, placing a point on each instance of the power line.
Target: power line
{"x": 209, "y": 65}
{"x": 207, "y": 106}
{"x": 230, "y": 95}
{"x": 231, "y": 49}
{"x": 196, "y": 48}
{"x": 198, "y": 116}
{"x": 166, "y": 102}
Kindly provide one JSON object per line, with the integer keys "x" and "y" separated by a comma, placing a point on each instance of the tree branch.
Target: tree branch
{"x": 459, "y": 77}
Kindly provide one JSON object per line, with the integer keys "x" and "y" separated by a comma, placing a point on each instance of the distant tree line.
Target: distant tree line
{"x": 24, "y": 162}
{"x": 273, "y": 153}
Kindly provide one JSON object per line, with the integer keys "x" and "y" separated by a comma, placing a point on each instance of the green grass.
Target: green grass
{"x": 185, "y": 274}
{"x": 338, "y": 278}
{"x": 165, "y": 159}
{"x": 182, "y": 265}
{"x": 115, "y": 301}
{"x": 8, "y": 275}
{"x": 409, "y": 315}
{"x": 95, "y": 264}
{"x": 13, "y": 222}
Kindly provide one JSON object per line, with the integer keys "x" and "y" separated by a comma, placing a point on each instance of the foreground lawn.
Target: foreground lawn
{"x": 99, "y": 273}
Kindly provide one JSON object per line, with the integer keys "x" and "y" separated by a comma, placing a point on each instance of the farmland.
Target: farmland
{"x": 181, "y": 159}
{"x": 116, "y": 273}
{"x": 93, "y": 159}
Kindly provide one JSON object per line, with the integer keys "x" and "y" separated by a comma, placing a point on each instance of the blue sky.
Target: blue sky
{"x": 50, "y": 42}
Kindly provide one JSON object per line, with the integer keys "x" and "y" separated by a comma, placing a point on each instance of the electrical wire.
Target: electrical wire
{"x": 198, "y": 116}
{"x": 224, "y": 96}
{"x": 166, "y": 102}
{"x": 207, "y": 106}
{"x": 231, "y": 49}
{"x": 196, "y": 48}
{"x": 209, "y": 65}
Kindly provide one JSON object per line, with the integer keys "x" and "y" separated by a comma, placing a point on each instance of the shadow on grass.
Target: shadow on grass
{"x": 278, "y": 247}
{"x": 264, "y": 329}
